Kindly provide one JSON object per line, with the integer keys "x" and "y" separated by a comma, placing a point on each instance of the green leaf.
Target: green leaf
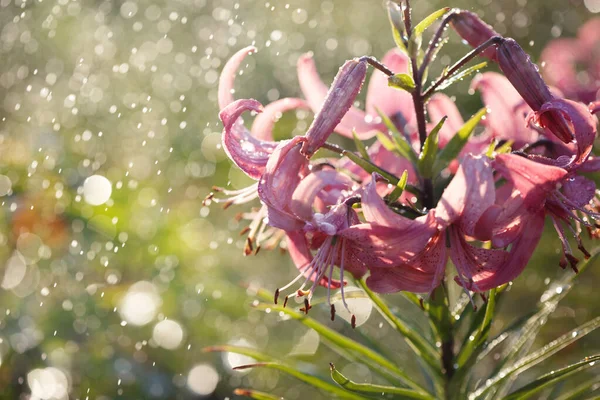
{"x": 429, "y": 152}
{"x": 415, "y": 340}
{"x": 416, "y": 36}
{"x": 538, "y": 356}
{"x": 370, "y": 167}
{"x": 402, "y": 81}
{"x": 461, "y": 75}
{"x": 522, "y": 339}
{"x": 375, "y": 389}
{"x": 395, "y": 18}
{"x": 400, "y": 186}
{"x": 477, "y": 339}
{"x": 377, "y": 360}
{"x": 552, "y": 378}
{"x": 579, "y": 390}
{"x": 457, "y": 143}
{"x": 255, "y": 394}
{"x": 360, "y": 146}
{"x": 426, "y": 23}
{"x": 400, "y": 144}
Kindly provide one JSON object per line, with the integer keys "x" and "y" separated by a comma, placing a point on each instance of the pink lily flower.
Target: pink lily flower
{"x": 538, "y": 190}
{"x": 561, "y": 59}
{"x": 411, "y": 254}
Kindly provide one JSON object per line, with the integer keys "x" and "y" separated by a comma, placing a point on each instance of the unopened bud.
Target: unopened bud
{"x": 523, "y": 74}
{"x": 474, "y": 31}
{"x": 339, "y": 99}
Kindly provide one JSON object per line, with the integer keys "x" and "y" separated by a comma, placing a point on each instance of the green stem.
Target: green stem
{"x": 441, "y": 319}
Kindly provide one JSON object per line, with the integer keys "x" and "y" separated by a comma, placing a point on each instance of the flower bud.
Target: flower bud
{"x": 476, "y": 32}
{"x": 339, "y": 99}
{"x": 523, "y": 74}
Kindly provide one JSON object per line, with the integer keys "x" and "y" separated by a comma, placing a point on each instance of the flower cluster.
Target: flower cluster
{"x": 424, "y": 191}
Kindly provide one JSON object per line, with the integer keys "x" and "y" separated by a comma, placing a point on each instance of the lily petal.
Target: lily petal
{"x": 420, "y": 276}
{"x": 489, "y": 268}
{"x": 248, "y": 153}
{"x": 227, "y": 78}
{"x": 281, "y": 176}
{"x": 308, "y": 188}
{"x": 390, "y": 101}
{"x": 504, "y": 117}
{"x": 262, "y": 127}
{"x": 470, "y": 193}
{"x": 582, "y": 122}
{"x": 441, "y": 106}
{"x": 534, "y": 180}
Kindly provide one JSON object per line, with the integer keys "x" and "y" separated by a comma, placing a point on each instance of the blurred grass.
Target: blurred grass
{"x": 141, "y": 77}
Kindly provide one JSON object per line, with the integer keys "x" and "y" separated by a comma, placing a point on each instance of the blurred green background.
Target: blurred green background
{"x": 117, "y": 300}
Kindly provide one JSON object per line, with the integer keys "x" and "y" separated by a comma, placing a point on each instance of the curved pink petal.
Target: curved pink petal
{"x": 316, "y": 91}
{"x": 281, "y": 176}
{"x": 579, "y": 190}
{"x": 422, "y": 275}
{"x": 441, "y": 106}
{"x": 470, "y": 193}
{"x": 338, "y": 101}
{"x": 535, "y": 181}
{"x": 559, "y": 57}
{"x": 227, "y": 78}
{"x": 262, "y": 127}
{"x": 305, "y": 193}
{"x": 583, "y": 124}
{"x": 386, "y": 246}
{"x": 248, "y": 153}
{"x": 488, "y": 268}
{"x": 590, "y": 165}
{"x": 390, "y": 101}
{"x": 506, "y": 116}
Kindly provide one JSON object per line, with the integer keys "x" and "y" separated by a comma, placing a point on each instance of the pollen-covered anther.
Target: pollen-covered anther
{"x": 332, "y": 310}
{"x": 276, "y": 296}
{"x": 248, "y": 248}
{"x": 301, "y": 293}
{"x": 208, "y": 199}
{"x": 285, "y": 301}
{"x": 244, "y": 231}
{"x": 353, "y": 321}
{"x": 306, "y": 307}
{"x": 573, "y": 262}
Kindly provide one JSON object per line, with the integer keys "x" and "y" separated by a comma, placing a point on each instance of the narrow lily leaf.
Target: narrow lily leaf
{"x": 345, "y": 342}
{"x": 428, "y": 21}
{"x": 476, "y": 340}
{"x": 538, "y": 356}
{"x": 370, "y": 167}
{"x": 553, "y": 378}
{"x": 461, "y": 75}
{"x": 429, "y": 151}
{"x": 415, "y": 340}
{"x": 434, "y": 55}
{"x": 371, "y": 389}
{"x": 400, "y": 186}
{"x": 330, "y": 339}
{"x": 521, "y": 341}
{"x": 457, "y": 143}
{"x": 578, "y": 391}
{"x": 306, "y": 378}
{"x": 400, "y": 144}
{"x": 395, "y": 17}
{"x": 416, "y": 36}
{"x": 360, "y": 146}
{"x": 254, "y": 394}
{"x": 402, "y": 81}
